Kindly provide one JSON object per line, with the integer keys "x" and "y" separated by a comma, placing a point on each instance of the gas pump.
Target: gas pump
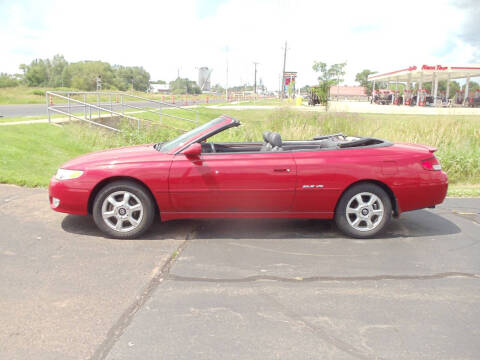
{"x": 473, "y": 99}
{"x": 421, "y": 97}
{"x": 407, "y": 97}
{"x": 459, "y": 96}
{"x": 396, "y": 97}
{"x": 443, "y": 96}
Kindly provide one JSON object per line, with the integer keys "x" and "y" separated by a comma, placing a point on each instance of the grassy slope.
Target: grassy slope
{"x": 30, "y": 154}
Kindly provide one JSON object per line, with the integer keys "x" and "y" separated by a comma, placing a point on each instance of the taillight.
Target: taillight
{"x": 431, "y": 164}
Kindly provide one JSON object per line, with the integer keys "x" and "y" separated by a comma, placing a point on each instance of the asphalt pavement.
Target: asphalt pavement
{"x": 238, "y": 289}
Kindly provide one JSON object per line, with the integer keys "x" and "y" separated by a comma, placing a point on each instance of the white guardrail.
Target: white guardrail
{"x": 91, "y": 111}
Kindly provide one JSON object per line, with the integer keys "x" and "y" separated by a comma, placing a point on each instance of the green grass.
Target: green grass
{"x": 23, "y": 118}
{"x": 269, "y": 101}
{"x": 22, "y": 95}
{"x": 464, "y": 190}
{"x": 30, "y": 154}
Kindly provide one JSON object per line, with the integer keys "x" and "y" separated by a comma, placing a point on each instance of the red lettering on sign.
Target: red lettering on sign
{"x": 438, "y": 67}
{"x": 427, "y": 67}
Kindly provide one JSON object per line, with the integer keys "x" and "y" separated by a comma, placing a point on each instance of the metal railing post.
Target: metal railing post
{"x": 123, "y": 108}
{"x": 85, "y": 106}
{"x": 48, "y": 105}
{"x": 98, "y": 105}
{"x": 111, "y": 106}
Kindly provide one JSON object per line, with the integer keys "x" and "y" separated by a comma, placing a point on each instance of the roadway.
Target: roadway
{"x": 238, "y": 289}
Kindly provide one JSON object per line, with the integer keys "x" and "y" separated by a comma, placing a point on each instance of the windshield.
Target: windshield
{"x": 182, "y": 139}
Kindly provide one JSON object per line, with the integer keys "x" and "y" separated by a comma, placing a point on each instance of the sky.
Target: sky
{"x": 171, "y": 37}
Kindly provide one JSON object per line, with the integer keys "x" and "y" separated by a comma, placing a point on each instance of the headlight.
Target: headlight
{"x": 64, "y": 174}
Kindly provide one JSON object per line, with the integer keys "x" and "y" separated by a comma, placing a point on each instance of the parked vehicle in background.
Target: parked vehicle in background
{"x": 360, "y": 182}
{"x": 474, "y": 101}
{"x": 383, "y": 97}
{"x": 312, "y": 97}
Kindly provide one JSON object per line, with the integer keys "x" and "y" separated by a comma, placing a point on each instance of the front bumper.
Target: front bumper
{"x": 73, "y": 198}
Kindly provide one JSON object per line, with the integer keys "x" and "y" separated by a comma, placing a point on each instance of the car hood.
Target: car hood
{"x": 123, "y": 155}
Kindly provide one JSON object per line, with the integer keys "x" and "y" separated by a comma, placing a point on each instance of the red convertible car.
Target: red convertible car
{"x": 359, "y": 182}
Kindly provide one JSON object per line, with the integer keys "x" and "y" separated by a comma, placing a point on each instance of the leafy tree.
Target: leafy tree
{"x": 219, "y": 89}
{"x": 362, "y": 79}
{"x": 37, "y": 73}
{"x": 85, "y": 73}
{"x": 184, "y": 86}
{"x": 442, "y": 87}
{"x": 66, "y": 77}
{"x": 136, "y": 78}
{"x": 472, "y": 86}
{"x": 454, "y": 87}
{"x": 141, "y": 79}
{"x": 7, "y": 80}
{"x": 82, "y": 75}
{"x": 56, "y": 69}
{"x": 328, "y": 77}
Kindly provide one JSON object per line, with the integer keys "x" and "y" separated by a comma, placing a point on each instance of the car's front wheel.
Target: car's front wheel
{"x": 364, "y": 211}
{"x": 123, "y": 210}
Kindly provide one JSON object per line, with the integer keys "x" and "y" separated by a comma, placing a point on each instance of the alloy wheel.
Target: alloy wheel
{"x": 122, "y": 211}
{"x": 364, "y": 211}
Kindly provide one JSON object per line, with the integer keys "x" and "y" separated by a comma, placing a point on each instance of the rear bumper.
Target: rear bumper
{"x": 73, "y": 199}
{"x": 427, "y": 193}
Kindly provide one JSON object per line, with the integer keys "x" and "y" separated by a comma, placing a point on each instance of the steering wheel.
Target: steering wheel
{"x": 213, "y": 147}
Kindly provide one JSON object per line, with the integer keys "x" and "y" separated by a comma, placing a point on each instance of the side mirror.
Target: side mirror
{"x": 194, "y": 150}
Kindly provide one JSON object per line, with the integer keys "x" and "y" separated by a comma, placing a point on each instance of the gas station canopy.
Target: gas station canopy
{"x": 426, "y": 73}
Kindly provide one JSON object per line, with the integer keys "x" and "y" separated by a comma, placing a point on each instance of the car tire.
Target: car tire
{"x": 123, "y": 210}
{"x": 363, "y": 211}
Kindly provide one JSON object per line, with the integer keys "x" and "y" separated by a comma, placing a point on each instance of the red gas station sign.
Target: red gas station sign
{"x": 438, "y": 67}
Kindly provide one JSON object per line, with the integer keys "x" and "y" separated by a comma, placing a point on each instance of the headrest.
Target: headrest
{"x": 275, "y": 139}
{"x": 266, "y": 136}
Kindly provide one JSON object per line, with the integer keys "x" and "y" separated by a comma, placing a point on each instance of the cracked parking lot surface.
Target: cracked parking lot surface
{"x": 230, "y": 289}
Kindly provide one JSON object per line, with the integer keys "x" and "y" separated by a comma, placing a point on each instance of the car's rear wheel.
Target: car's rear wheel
{"x": 364, "y": 211}
{"x": 123, "y": 210}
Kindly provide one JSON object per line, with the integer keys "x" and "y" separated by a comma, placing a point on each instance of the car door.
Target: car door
{"x": 320, "y": 179}
{"x": 233, "y": 182}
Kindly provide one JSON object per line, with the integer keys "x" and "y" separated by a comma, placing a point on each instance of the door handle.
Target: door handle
{"x": 281, "y": 170}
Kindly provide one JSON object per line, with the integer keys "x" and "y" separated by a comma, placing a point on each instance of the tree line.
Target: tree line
{"x": 58, "y": 72}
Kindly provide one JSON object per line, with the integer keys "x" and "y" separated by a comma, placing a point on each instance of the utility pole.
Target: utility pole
{"x": 283, "y": 72}
{"x": 255, "y": 78}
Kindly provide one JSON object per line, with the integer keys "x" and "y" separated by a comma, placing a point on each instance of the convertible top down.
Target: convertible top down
{"x": 359, "y": 182}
